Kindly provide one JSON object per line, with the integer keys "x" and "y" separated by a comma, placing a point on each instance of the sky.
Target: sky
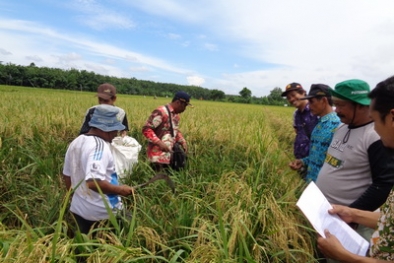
{"x": 214, "y": 44}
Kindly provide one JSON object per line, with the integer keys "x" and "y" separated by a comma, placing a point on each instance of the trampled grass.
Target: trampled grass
{"x": 235, "y": 202}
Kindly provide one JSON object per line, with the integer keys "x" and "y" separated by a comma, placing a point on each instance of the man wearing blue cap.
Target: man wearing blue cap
{"x": 163, "y": 133}
{"x": 90, "y": 171}
{"x": 357, "y": 171}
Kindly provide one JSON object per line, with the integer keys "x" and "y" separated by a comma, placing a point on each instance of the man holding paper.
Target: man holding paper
{"x": 357, "y": 171}
{"x": 382, "y": 240}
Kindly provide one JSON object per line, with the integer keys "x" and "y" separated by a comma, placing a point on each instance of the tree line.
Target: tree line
{"x": 74, "y": 79}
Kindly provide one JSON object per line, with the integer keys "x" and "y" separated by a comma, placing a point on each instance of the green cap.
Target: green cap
{"x": 354, "y": 90}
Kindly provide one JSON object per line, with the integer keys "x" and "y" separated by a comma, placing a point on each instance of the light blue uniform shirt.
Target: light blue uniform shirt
{"x": 320, "y": 140}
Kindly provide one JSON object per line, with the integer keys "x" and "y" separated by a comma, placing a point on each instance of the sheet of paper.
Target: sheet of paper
{"x": 315, "y": 207}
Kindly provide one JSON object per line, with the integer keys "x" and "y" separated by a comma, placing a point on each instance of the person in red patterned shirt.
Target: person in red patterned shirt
{"x": 157, "y": 130}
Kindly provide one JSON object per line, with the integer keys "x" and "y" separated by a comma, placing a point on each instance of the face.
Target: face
{"x": 317, "y": 106}
{"x": 293, "y": 97}
{"x": 344, "y": 110}
{"x": 385, "y": 128}
{"x": 181, "y": 106}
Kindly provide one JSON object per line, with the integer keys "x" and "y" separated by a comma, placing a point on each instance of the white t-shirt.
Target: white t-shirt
{"x": 90, "y": 157}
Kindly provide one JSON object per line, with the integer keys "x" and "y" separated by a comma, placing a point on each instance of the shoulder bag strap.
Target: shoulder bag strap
{"x": 169, "y": 115}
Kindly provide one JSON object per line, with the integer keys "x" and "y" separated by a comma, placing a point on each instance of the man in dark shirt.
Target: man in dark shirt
{"x": 303, "y": 121}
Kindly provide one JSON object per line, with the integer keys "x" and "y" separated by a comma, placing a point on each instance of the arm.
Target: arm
{"x": 332, "y": 248}
{"x": 149, "y": 129}
{"x": 352, "y": 215}
{"x": 382, "y": 169}
{"x": 67, "y": 182}
{"x": 107, "y": 188}
{"x": 179, "y": 138}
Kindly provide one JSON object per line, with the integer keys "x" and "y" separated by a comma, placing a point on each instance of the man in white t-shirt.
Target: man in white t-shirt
{"x": 90, "y": 171}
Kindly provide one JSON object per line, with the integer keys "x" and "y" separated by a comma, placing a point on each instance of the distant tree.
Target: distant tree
{"x": 276, "y": 96}
{"x": 245, "y": 93}
{"x": 217, "y": 94}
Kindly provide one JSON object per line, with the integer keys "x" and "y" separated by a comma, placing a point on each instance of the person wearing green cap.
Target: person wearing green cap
{"x": 357, "y": 172}
{"x": 382, "y": 240}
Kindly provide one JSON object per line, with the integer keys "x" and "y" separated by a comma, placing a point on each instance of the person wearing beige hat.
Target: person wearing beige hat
{"x": 106, "y": 94}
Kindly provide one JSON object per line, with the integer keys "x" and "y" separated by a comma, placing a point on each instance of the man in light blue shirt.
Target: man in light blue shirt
{"x": 320, "y": 103}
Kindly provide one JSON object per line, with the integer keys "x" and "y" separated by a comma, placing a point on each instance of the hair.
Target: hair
{"x": 329, "y": 99}
{"x": 301, "y": 91}
{"x": 383, "y": 94}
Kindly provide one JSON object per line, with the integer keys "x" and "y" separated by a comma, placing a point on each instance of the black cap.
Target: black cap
{"x": 291, "y": 87}
{"x": 318, "y": 90}
{"x": 182, "y": 96}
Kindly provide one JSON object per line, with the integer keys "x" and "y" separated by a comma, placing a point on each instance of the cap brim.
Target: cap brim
{"x": 312, "y": 96}
{"x": 284, "y": 94}
{"x": 307, "y": 97}
{"x": 118, "y": 127}
{"x": 104, "y": 96}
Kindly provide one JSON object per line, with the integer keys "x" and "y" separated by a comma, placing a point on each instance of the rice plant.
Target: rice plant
{"x": 235, "y": 201}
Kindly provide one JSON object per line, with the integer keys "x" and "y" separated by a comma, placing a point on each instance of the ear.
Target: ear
{"x": 391, "y": 114}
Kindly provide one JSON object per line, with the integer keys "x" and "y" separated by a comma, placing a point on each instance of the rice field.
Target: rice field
{"x": 235, "y": 201}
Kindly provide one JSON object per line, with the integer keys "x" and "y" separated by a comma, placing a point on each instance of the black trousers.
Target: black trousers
{"x": 83, "y": 224}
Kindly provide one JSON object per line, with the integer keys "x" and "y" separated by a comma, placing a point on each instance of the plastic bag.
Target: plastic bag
{"x": 125, "y": 151}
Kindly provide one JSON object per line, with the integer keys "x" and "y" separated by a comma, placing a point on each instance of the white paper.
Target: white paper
{"x": 315, "y": 207}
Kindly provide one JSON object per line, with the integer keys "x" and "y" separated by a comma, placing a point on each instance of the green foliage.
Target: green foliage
{"x": 245, "y": 93}
{"x": 82, "y": 80}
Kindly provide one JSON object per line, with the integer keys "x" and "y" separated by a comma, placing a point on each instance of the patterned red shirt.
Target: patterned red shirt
{"x": 157, "y": 128}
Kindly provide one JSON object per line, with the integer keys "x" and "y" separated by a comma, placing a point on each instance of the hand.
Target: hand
{"x": 332, "y": 248}
{"x": 125, "y": 190}
{"x": 184, "y": 146}
{"x": 296, "y": 164}
{"x": 344, "y": 212}
{"x": 164, "y": 147}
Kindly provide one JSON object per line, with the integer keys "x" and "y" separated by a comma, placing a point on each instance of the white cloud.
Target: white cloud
{"x": 174, "y": 36}
{"x": 210, "y": 47}
{"x": 34, "y": 58}
{"x": 139, "y": 69}
{"x": 4, "y": 52}
{"x": 195, "y": 80}
{"x": 277, "y": 41}
{"x": 47, "y": 49}
{"x": 99, "y": 17}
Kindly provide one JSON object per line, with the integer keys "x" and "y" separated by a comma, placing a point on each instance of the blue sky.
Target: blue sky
{"x": 216, "y": 44}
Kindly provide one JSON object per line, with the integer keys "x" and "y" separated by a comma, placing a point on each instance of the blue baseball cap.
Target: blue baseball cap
{"x": 182, "y": 96}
